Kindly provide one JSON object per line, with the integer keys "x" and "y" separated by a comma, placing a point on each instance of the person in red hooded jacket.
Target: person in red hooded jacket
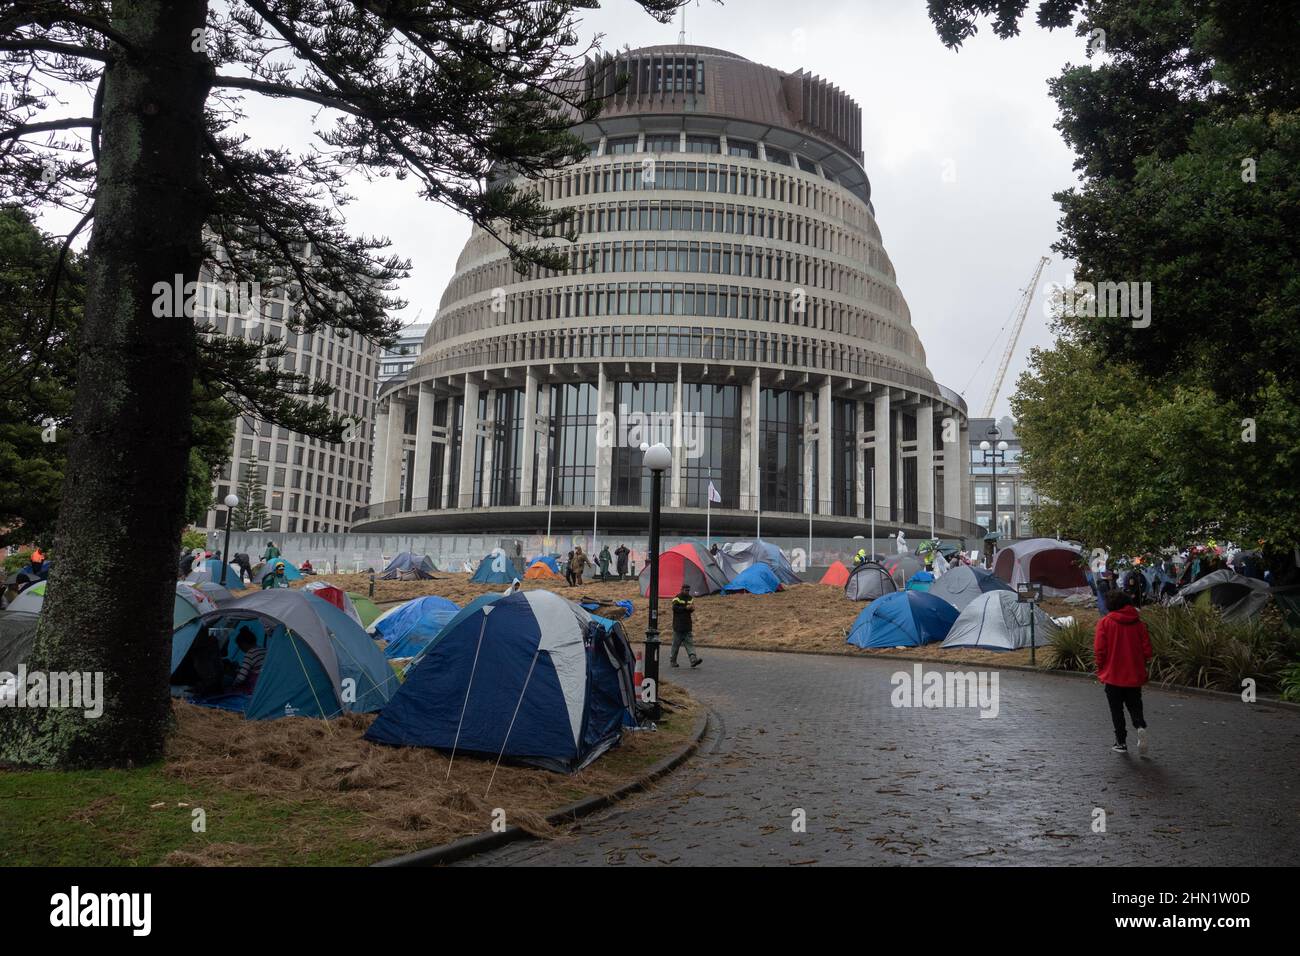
{"x": 1122, "y": 647}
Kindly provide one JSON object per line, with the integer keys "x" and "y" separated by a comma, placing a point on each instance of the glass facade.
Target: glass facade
{"x": 572, "y": 454}
{"x": 781, "y": 451}
{"x": 642, "y": 413}
{"x": 711, "y": 413}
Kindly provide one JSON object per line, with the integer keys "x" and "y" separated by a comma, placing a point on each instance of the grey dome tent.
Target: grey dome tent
{"x": 902, "y": 566}
{"x": 996, "y": 621}
{"x": 409, "y": 566}
{"x": 959, "y": 586}
{"x": 736, "y": 556}
{"x": 868, "y": 581}
{"x": 1236, "y": 596}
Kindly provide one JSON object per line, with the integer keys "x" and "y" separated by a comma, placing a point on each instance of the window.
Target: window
{"x": 807, "y": 165}
{"x": 623, "y": 144}
{"x": 704, "y": 144}
{"x": 778, "y": 156}
{"x": 742, "y": 147}
{"x": 662, "y": 143}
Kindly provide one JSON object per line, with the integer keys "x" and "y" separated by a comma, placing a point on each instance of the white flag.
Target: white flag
{"x": 713, "y": 494}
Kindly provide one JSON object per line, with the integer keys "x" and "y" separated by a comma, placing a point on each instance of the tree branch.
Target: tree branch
{"x": 70, "y": 123}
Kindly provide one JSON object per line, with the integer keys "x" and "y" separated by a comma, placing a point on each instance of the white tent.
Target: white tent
{"x": 996, "y": 621}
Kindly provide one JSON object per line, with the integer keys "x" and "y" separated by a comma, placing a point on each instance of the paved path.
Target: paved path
{"x": 882, "y": 785}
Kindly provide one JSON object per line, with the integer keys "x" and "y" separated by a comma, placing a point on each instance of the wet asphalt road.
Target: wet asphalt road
{"x": 880, "y": 785}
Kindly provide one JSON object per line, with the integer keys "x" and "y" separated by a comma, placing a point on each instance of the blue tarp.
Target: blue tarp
{"x": 529, "y": 677}
{"x": 756, "y": 579}
{"x": 920, "y": 581}
{"x": 902, "y": 619}
{"x": 409, "y": 629}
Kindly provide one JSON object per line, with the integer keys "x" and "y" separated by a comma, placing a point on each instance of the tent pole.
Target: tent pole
{"x": 518, "y": 703}
{"x": 473, "y": 668}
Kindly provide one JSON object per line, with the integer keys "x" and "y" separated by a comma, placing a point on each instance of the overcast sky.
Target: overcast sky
{"x": 960, "y": 149}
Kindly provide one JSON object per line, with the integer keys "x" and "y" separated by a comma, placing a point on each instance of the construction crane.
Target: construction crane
{"x": 1015, "y": 337}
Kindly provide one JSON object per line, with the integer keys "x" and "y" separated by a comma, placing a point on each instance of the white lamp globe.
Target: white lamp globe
{"x": 232, "y": 501}
{"x": 1002, "y": 446}
{"x": 985, "y": 446}
{"x": 658, "y": 457}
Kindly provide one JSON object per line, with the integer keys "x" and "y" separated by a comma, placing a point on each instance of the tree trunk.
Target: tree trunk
{"x": 109, "y": 602}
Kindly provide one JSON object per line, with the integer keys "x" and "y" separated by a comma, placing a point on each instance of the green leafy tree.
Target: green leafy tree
{"x": 455, "y": 96}
{"x": 1152, "y": 430}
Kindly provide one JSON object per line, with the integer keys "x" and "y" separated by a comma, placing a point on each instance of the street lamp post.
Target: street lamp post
{"x": 232, "y": 502}
{"x": 993, "y": 455}
{"x": 658, "y": 459}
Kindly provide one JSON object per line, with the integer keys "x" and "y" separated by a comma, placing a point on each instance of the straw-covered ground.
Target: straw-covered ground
{"x": 806, "y": 617}
{"x": 297, "y": 792}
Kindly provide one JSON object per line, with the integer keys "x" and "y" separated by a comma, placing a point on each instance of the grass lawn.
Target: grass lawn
{"x": 293, "y": 792}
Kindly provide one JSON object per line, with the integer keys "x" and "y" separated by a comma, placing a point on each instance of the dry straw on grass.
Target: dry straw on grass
{"x": 400, "y": 797}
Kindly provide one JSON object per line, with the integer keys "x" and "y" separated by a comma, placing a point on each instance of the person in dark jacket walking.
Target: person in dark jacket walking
{"x": 620, "y": 560}
{"x": 1122, "y": 647}
{"x": 683, "y": 608}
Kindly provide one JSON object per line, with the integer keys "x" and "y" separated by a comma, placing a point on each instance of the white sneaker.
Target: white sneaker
{"x": 1142, "y": 741}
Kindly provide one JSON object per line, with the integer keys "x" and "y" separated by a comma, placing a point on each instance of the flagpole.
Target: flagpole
{"x": 873, "y": 510}
{"x": 708, "y": 512}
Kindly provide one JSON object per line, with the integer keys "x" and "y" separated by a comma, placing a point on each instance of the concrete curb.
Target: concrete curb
{"x": 1224, "y": 695}
{"x": 482, "y": 842}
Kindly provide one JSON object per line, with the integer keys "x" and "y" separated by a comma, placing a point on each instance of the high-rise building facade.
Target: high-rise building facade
{"x": 308, "y": 485}
{"x": 728, "y": 293}
{"x": 1015, "y": 497}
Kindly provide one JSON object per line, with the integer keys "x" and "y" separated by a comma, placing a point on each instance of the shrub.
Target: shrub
{"x": 1289, "y": 684}
{"x": 1071, "y": 649}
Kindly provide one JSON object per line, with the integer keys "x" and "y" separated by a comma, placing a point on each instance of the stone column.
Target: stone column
{"x": 530, "y": 436}
{"x": 861, "y": 496}
{"x": 755, "y": 439}
{"x": 925, "y": 500}
{"x": 826, "y": 451}
{"x": 604, "y": 437}
{"x": 379, "y": 456}
{"x": 954, "y": 463}
{"x": 967, "y": 506}
{"x": 542, "y": 423}
{"x": 423, "y": 447}
{"x": 676, "y": 497}
{"x": 393, "y": 449}
{"x": 468, "y": 436}
{"x": 488, "y": 429}
{"x": 810, "y": 448}
{"x": 883, "y": 444}
{"x": 900, "y": 478}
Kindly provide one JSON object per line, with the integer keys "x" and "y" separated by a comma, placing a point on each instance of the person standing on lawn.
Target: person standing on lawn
{"x": 683, "y": 608}
{"x": 620, "y": 560}
{"x": 1122, "y": 647}
{"x": 604, "y": 561}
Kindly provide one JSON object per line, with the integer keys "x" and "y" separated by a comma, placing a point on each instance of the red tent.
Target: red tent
{"x": 836, "y": 575}
{"x": 686, "y": 563}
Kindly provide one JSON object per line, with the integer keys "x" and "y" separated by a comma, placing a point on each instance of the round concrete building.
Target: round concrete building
{"x": 728, "y": 294}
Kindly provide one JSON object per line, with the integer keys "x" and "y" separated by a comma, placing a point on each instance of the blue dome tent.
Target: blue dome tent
{"x": 756, "y": 579}
{"x": 495, "y": 568}
{"x": 528, "y": 677}
{"x": 319, "y": 662}
{"x": 902, "y": 619}
{"x": 291, "y": 572}
{"x": 410, "y": 627}
{"x": 552, "y": 562}
{"x": 920, "y": 581}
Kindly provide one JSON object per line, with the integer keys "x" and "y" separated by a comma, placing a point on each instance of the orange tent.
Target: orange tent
{"x": 836, "y": 575}
{"x": 539, "y": 570}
